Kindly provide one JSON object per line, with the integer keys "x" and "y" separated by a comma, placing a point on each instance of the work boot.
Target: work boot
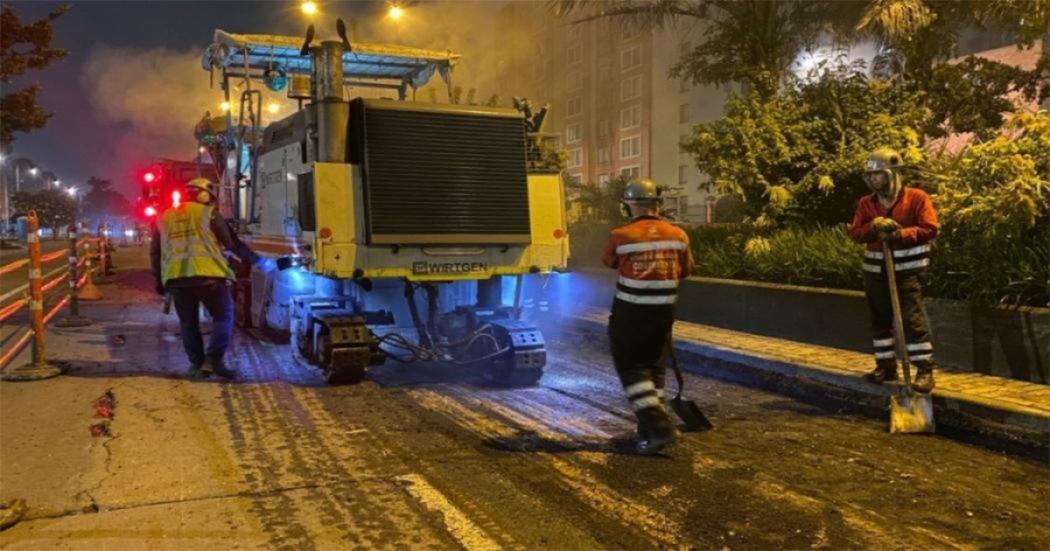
{"x": 883, "y": 372}
{"x": 216, "y": 366}
{"x": 655, "y": 431}
{"x": 196, "y": 372}
{"x": 923, "y": 379}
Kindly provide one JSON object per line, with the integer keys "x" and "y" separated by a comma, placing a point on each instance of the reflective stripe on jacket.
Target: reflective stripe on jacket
{"x": 189, "y": 247}
{"x": 651, "y": 256}
{"x": 914, "y": 211}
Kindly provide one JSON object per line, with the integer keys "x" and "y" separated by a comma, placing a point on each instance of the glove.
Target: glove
{"x": 890, "y": 236}
{"x": 885, "y": 225}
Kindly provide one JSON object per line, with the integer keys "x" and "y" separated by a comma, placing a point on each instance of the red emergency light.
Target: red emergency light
{"x": 176, "y": 198}
{"x": 149, "y": 177}
{"x": 150, "y": 211}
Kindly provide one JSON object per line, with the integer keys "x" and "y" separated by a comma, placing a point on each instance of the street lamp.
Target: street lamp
{"x": 72, "y": 191}
{"x": 395, "y": 12}
{"x": 273, "y": 108}
{"x": 308, "y": 7}
{"x": 225, "y": 106}
{"x": 33, "y": 171}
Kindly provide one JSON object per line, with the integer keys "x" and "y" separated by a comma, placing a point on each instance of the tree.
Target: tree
{"x": 101, "y": 201}
{"x": 24, "y": 47}
{"x": 54, "y": 208}
{"x": 798, "y": 155}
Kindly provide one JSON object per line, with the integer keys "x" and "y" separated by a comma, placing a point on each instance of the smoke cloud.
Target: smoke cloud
{"x": 154, "y": 97}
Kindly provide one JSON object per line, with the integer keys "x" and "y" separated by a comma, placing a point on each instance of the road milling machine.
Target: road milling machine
{"x": 394, "y": 229}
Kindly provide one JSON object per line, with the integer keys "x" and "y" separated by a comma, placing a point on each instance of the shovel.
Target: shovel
{"x": 686, "y": 410}
{"x": 910, "y": 411}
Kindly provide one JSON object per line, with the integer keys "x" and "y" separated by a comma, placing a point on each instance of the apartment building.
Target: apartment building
{"x": 617, "y": 112}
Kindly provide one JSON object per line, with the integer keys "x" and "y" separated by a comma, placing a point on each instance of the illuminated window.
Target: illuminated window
{"x": 572, "y": 133}
{"x": 631, "y": 88}
{"x": 630, "y": 58}
{"x": 575, "y": 158}
{"x": 603, "y": 155}
{"x": 630, "y": 147}
{"x": 631, "y": 116}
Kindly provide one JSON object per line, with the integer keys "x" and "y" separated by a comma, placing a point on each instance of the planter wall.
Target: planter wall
{"x": 997, "y": 341}
{"x": 1006, "y": 342}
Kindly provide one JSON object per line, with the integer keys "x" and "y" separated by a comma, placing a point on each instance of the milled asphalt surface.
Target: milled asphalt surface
{"x": 427, "y": 457}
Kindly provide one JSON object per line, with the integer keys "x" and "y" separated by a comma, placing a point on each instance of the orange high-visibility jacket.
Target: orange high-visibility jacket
{"x": 651, "y": 255}
{"x": 914, "y": 211}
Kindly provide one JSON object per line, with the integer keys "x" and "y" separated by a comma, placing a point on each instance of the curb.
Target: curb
{"x": 1002, "y": 424}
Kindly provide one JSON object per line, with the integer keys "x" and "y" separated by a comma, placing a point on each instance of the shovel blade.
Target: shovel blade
{"x": 911, "y": 412}
{"x": 691, "y": 416}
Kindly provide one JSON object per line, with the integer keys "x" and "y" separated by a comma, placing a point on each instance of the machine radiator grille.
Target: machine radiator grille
{"x": 441, "y": 174}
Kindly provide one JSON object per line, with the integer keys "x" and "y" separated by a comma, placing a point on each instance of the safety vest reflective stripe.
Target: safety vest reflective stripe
{"x": 900, "y": 253}
{"x": 648, "y": 283}
{"x": 189, "y": 248}
{"x": 650, "y": 246}
{"x": 900, "y": 266}
{"x": 643, "y": 299}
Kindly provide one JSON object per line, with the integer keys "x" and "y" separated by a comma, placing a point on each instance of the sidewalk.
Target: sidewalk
{"x": 1004, "y": 409}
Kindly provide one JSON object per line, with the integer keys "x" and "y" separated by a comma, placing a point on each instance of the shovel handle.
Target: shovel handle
{"x": 899, "y": 345}
{"x": 674, "y": 365}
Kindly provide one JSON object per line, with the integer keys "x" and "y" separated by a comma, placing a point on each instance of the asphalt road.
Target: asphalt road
{"x": 427, "y": 457}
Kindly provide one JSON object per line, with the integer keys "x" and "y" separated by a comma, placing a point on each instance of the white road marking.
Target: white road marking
{"x": 459, "y": 526}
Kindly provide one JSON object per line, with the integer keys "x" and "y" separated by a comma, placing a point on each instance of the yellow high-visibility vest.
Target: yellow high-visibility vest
{"x": 188, "y": 246}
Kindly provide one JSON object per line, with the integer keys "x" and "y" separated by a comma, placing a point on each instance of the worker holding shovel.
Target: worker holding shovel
{"x": 651, "y": 256}
{"x": 899, "y": 221}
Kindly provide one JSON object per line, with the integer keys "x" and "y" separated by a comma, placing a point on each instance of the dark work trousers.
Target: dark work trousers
{"x": 916, "y": 329}
{"x": 638, "y": 336}
{"x": 215, "y": 295}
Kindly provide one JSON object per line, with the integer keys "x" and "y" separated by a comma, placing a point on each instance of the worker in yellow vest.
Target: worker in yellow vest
{"x": 187, "y": 259}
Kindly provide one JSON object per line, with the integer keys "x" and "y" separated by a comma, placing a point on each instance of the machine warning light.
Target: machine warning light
{"x": 149, "y": 177}
{"x": 150, "y": 211}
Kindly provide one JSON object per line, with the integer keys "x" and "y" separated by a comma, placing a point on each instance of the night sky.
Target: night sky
{"x": 82, "y": 140}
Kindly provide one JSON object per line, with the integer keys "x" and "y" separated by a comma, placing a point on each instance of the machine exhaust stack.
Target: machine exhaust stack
{"x": 326, "y": 83}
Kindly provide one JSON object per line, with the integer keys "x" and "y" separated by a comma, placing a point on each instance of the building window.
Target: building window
{"x": 575, "y": 82}
{"x": 575, "y": 158}
{"x": 630, "y": 58}
{"x": 575, "y": 177}
{"x": 572, "y": 133}
{"x": 604, "y": 129}
{"x": 629, "y": 31}
{"x": 574, "y": 106}
{"x": 683, "y": 112}
{"x": 574, "y": 53}
{"x": 631, "y": 116}
{"x": 603, "y": 180}
{"x": 683, "y": 175}
{"x": 631, "y": 88}
{"x": 631, "y": 172}
{"x": 630, "y": 147}
{"x": 603, "y": 156}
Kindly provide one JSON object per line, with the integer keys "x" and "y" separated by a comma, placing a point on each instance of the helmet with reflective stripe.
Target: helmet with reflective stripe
{"x": 886, "y": 161}
{"x": 641, "y": 191}
{"x": 202, "y": 184}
